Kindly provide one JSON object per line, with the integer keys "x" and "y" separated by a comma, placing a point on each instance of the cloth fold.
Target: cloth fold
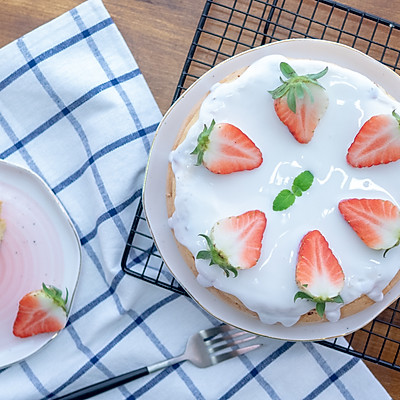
{"x": 75, "y": 109}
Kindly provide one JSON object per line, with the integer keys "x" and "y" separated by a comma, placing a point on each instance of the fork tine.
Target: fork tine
{"x": 211, "y": 332}
{"x": 234, "y": 353}
{"x": 226, "y": 336}
{"x": 227, "y": 343}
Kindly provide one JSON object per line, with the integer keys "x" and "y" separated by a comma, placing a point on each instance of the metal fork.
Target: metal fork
{"x": 203, "y": 349}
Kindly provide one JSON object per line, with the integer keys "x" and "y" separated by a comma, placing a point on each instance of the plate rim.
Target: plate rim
{"x": 71, "y": 295}
{"x": 375, "y": 309}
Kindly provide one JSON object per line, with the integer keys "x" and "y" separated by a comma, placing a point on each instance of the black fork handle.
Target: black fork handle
{"x": 103, "y": 386}
{"x": 108, "y": 384}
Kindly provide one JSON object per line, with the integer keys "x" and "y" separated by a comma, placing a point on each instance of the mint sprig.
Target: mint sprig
{"x": 286, "y": 197}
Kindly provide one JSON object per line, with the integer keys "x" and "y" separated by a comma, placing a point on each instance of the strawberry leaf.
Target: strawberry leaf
{"x": 216, "y": 257}
{"x": 291, "y": 99}
{"x": 280, "y": 91}
{"x": 390, "y": 248}
{"x": 318, "y": 75}
{"x": 287, "y": 70}
{"x": 303, "y": 181}
{"x": 202, "y": 142}
{"x": 283, "y": 200}
{"x": 320, "y": 308}
{"x": 319, "y": 304}
{"x": 319, "y": 301}
{"x": 337, "y": 299}
{"x": 302, "y": 295}
{"x": 296, "y": 86}
{"x": 300, "y": 90}
{"x": 203, "y": 255}
{"x": 56, "y": 295}
{"x": 228, "y": 269}
{"x": 397, "y": 116}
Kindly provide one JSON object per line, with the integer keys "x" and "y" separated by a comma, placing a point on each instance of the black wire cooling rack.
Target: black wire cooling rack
{"x": 228, "y": 27}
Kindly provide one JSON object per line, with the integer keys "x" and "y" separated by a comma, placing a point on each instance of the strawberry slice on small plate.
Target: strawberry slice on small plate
{"x": 41, "y": 311}
{"x": 40, "y": 245}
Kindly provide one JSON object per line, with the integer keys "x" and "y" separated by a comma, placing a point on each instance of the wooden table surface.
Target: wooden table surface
{"x": 159, "y": 33}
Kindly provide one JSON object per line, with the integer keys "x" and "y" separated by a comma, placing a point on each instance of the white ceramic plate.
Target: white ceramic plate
{"x": 155, "y": 184}
{"x": 39, "y": 245}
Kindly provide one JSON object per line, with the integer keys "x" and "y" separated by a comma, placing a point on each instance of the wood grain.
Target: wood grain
{"x": 159, "y": 33}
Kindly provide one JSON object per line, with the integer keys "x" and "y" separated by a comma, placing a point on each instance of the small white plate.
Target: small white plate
{"x": 40, "y": 245}
{"x": 155, "y": 185}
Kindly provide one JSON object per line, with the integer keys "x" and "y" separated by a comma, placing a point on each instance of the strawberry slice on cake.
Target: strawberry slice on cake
{"x": 41, "y": 311}
{"x": 319, "y": 275}
{"x": 235, "y": 242}
{"x": 300, "y": 102}
{"x": 223, "y": 148}
{"x": 376, "y": 221}
{"x": 377, "y": 142}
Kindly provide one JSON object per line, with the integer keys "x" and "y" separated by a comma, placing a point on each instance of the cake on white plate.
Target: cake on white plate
{"x": 282, "y": 191}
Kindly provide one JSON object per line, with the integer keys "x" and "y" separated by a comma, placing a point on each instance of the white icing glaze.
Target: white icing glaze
{"x": 202, "y": 198}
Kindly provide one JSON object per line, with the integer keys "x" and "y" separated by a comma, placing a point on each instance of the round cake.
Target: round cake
{"x": 282, "y": 191}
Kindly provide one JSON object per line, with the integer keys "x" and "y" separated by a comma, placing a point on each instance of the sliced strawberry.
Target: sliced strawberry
{"x": 300, "y": 102}
{"x": 41, "y": 311}
{"x": 377, "y": 142}
{"x": 376, "y": 221}
{"x": 235, "y": 242}
{"x": 224, "y": 148}
{"x": 319, "y": 275}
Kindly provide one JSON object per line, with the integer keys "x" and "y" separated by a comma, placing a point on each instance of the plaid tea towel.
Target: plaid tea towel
{"x": 75, "y": 109}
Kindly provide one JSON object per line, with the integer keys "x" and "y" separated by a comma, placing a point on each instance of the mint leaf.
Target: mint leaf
{"x": 283, "y": 200}
{"x": 303, "y": 181}
{"x": 296, "y": 191}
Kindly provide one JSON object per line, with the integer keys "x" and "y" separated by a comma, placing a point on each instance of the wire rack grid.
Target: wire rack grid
{"x": 229, "y": 27}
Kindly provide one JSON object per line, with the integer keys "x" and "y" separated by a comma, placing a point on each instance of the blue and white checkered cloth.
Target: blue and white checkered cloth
{"x": 75, "y": 109}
